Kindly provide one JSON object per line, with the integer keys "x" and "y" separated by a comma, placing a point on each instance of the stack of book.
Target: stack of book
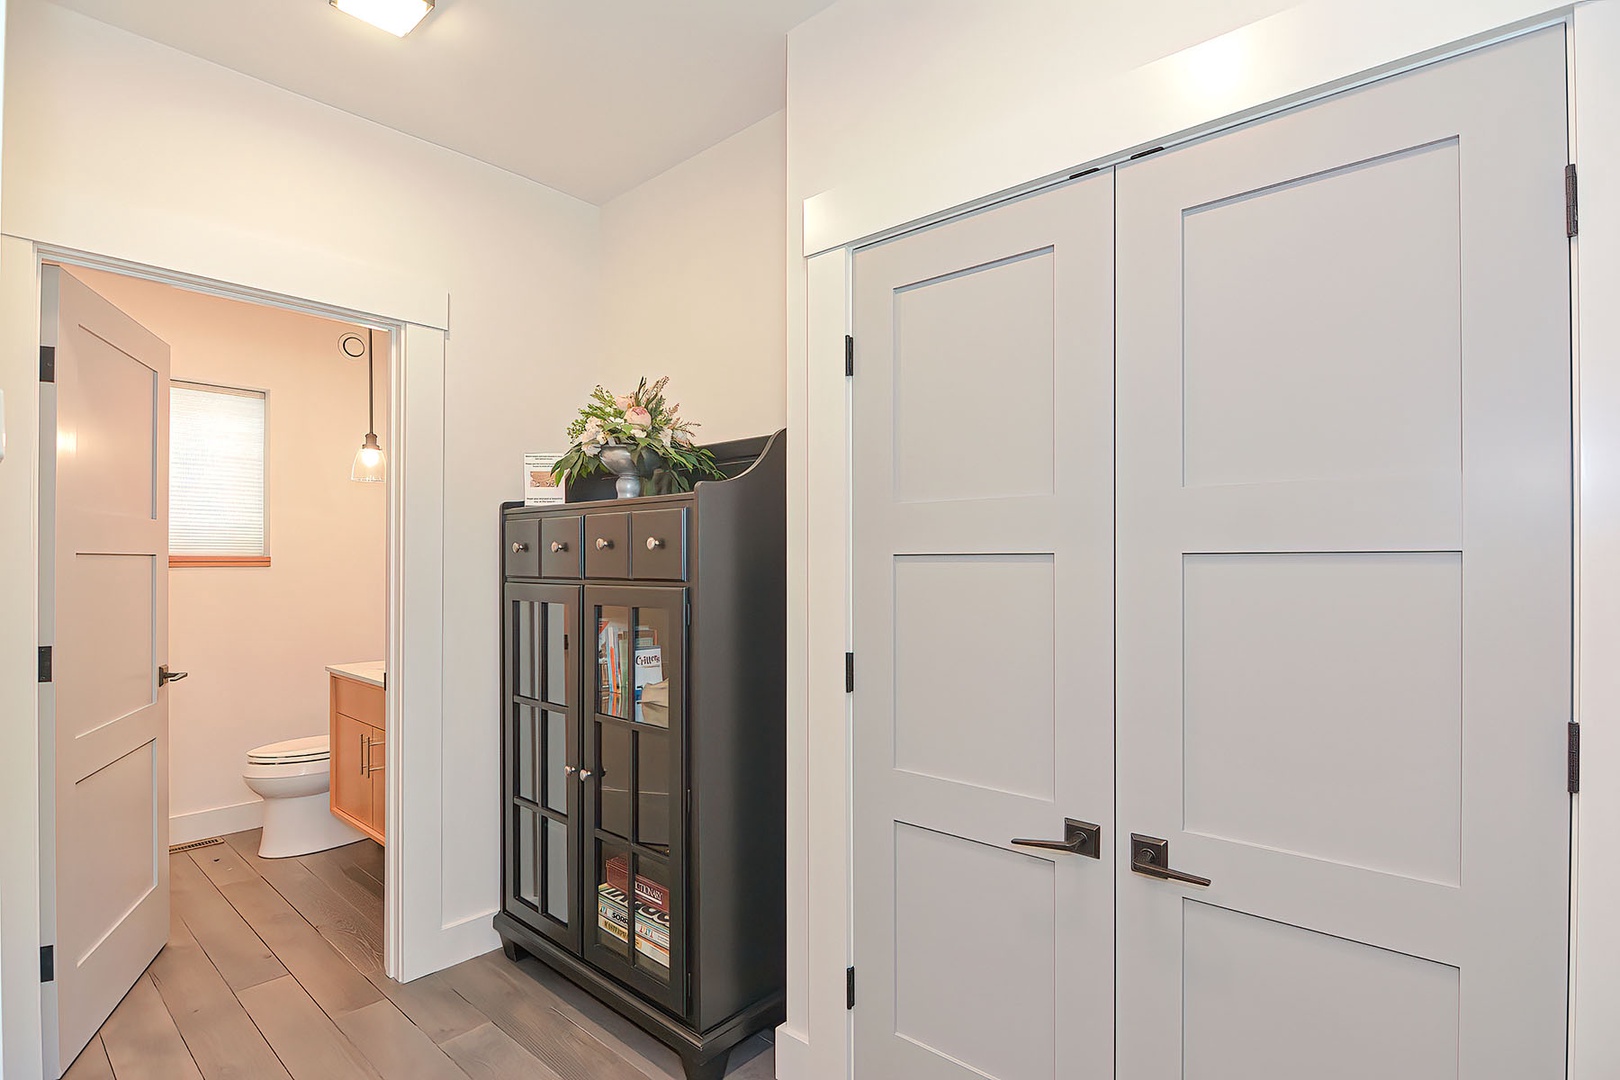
{"x": 651, "y": 923}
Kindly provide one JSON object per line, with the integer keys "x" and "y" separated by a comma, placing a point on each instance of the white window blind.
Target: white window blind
{"x": 216, "y": 470}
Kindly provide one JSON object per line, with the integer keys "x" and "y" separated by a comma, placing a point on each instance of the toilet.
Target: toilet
{"x": 293, "y": 779}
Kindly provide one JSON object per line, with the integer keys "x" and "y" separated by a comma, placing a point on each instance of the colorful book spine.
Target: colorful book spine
{"x": 648, "y": 892}
{"x": 651, "y": 927}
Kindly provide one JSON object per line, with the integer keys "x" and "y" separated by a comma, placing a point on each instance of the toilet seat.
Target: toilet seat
{"x": 292, "y": 751}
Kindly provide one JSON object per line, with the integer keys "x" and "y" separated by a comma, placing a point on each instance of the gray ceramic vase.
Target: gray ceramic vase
{"x": 623, "y": 463}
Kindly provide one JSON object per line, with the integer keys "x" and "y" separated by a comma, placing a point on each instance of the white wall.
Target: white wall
{"x": 256, "y": 640}
{"x": 692, "y": 285}
{"x": 900, "y": 111}
{"x": 116, "y": 145}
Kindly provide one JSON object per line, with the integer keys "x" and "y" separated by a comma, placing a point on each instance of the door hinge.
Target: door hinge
{"x": 849, "y": 355}
{"x": 849, "y": 673}
{"x": 44, "y": 663}
{"x": 849, "y": 988}
{"x": 47, "y": 363}
{"x": 1574, "y": 758}
{"x": 47, "y": 963}
{"x": 1572, "y": 217}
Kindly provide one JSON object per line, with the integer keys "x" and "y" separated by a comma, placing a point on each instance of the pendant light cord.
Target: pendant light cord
{"x": 371, "y": 387}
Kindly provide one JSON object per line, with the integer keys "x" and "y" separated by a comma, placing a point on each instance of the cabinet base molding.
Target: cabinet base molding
{"x": 703, "y": 1053}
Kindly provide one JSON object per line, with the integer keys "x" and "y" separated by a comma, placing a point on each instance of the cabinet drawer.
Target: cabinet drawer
{"x": 607, "y": 545}
{"x": 559, "y": 546}
{"x": 361, "y": 701}
{"x": 523, "y": 547}
{"x": 658, "y": 544}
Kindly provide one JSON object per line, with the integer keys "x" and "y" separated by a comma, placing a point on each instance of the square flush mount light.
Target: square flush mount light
{"x": 398, "y": 17}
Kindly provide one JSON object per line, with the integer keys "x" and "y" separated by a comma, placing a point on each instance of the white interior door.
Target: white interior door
{"x": 983, "y": 610}
{"x": 104, "y": 582}
{"x": 1344, "y": 470}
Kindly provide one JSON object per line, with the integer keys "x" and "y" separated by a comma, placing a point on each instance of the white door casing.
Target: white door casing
{"x": 105, "y": 720}
{"x": 1344, "y": 587}
{"x": 983, "y": 610}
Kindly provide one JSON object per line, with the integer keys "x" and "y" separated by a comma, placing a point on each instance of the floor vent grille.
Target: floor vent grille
{"x": 210, "y": 842}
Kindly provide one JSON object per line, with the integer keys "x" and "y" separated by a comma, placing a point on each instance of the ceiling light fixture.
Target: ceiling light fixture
{"x": 368, "y": 461}
{"x": 398, "y": 17}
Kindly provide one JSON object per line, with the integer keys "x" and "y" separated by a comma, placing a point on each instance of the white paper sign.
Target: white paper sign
{"x": 539, "y": 489}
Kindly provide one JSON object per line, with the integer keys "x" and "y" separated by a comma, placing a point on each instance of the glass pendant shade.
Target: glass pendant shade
{"x": 368, "y": 462}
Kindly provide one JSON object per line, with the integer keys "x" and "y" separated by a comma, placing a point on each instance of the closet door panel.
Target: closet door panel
{"x": 1344, "y": 606}
{"x": 983, "y": 603}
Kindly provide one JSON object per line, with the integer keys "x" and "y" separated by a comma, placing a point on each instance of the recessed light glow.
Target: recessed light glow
{"x": 398, "y": 17}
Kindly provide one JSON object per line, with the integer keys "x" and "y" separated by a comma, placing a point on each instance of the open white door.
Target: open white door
{"x": 104, "y": 585}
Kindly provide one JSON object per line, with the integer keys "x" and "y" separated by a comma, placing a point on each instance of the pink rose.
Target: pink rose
{"x": 636, "y": 416}
{"x": 624, "y": 401}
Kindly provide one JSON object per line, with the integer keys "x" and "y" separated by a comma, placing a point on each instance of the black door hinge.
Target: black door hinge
{"x": 849, "y": 673}
{"x": 849, "y": 988}
{"x": 47, "y": 963}
{"x": 849, "y": 355}
{"x": 1572, "y": 217}
{"x": 1574, "y": 758}
{"x": 47, "y": 363}
{"x": 44, "y": 663}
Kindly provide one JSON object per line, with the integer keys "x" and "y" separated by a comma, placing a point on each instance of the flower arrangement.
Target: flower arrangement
{"x": 642, "y": 422}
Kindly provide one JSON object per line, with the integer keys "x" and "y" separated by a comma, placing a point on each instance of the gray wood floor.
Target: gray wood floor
{"x": 274, "y": 969}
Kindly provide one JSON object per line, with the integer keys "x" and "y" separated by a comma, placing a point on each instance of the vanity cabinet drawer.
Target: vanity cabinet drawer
{"x": 607, "y": 545}
{"x": 523, "y": 547}
{"x": 559, "y": 546}
{"x": 658, "y": 544}
{"x": 359, "y": 700}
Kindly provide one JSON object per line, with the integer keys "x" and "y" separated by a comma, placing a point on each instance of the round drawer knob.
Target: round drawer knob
{"x": 654, "y": 543}
{"x": 518, "y": 547}
{"x": 603, "y": 543}
{"x": 558, "y": 545}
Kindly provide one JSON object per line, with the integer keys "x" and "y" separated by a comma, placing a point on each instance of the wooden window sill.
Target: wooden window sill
{"x": 218, "y": 560}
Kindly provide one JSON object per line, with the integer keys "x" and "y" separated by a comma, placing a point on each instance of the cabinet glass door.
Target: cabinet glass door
{"x": 634, "y": 795}
{"x": 541, "y": 759}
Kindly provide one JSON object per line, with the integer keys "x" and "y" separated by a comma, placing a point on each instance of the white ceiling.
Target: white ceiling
{"x": 591, "y": 97}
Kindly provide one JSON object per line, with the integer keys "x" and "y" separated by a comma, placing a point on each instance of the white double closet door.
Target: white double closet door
{"x": 1224, "y": 500}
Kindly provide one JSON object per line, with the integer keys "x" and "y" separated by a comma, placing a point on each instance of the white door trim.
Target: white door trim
{"x": 416, "y": 940}
{"x": 816, "y": 1041}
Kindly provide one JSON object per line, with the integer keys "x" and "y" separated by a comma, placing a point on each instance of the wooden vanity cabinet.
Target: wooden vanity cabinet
{"x": 359, "y": 791}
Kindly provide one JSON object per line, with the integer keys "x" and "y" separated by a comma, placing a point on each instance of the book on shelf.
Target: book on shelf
{"x": 651, "y": 927}
{"x": 649, "y": 892}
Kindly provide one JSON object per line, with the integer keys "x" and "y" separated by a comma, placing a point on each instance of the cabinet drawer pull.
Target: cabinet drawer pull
{"x": 654, "y": 543}
{"x": 519, "y": 547}
{"x": 603, "y": 543}
{"x": 558, "y": 545}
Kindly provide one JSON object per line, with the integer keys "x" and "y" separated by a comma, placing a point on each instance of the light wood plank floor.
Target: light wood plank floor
{"x": 274, "y": 970}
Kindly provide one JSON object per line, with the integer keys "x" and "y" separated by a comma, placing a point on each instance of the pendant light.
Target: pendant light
{"x": 368, "y": 462}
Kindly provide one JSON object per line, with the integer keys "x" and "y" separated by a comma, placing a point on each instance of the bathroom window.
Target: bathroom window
{"x": 216, "y": 476}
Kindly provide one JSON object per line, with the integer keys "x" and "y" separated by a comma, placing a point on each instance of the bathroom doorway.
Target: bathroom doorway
{"x": 199, "y": 522}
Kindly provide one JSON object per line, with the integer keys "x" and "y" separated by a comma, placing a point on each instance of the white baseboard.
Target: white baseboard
{"x": 792, "y": 1055}
{"x": 219, "y": 821}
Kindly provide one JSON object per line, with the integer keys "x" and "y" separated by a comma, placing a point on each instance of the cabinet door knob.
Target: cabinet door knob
{"x": 519, "y": 547}
{"x": 603, "y": 543}
{"x": 654, "y": 543}
{"x": 558, "y": 545}
{"x": 584, "y": 775}
{"x": 570, "y": 770}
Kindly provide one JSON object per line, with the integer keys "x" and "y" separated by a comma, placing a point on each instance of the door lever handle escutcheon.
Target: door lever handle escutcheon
{"x": 1150, "y": 855}
{"x": 1079, "y": 838}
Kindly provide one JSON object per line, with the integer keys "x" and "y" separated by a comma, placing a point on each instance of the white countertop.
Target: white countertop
{"x": 369, "y": 671}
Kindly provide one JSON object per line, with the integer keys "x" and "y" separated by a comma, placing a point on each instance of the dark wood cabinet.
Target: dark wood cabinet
{"x": 644, "y": 753}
